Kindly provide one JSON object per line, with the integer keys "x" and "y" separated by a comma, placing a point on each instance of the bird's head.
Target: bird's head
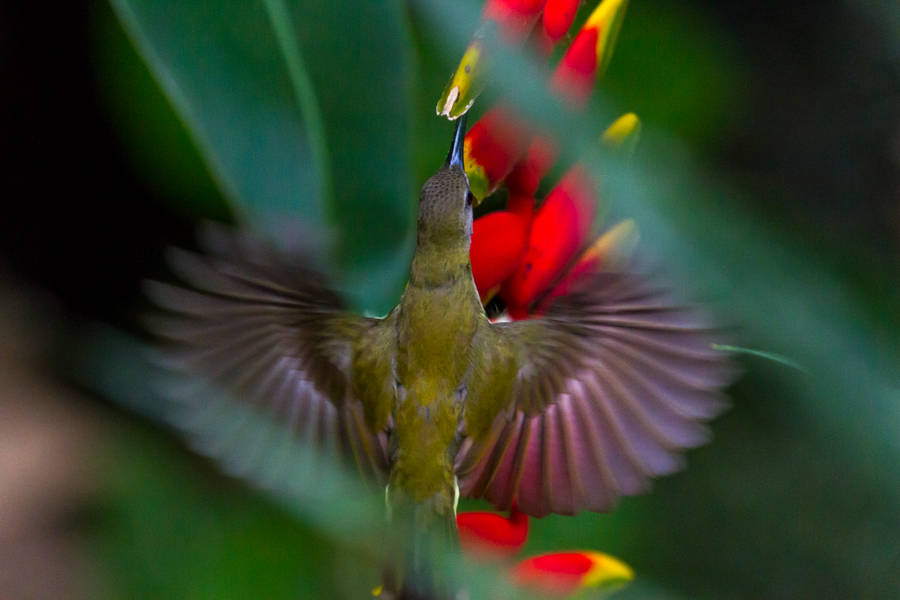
{"x": 445, "y": 203}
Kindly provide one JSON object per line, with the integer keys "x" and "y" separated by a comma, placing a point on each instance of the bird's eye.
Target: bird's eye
{"x": 469, "y": 199}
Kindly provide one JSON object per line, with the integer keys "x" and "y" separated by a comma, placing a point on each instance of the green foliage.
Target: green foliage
{"x": 172, "y": 528}
{"x": 146, "y": 122}
{"x": 293, "y": 122}
{"x": 698, "y": 81}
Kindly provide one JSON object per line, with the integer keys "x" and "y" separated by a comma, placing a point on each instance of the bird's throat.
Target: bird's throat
{"x": 441, "y": 265}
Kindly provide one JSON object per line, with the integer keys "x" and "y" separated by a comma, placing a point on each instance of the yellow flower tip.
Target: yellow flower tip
{"x": 623, "y": 133}
{"x": 465, "y": 85}
{"x": 607, "y": 19}
{"x": 376, "y": 591}
{"x": 615, "y": 245}
{"x": 479, "y": 183}
{"x": 607, "y": 572}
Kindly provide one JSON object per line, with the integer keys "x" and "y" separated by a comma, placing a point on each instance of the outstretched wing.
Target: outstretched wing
{"x": 267, "y": 330}
{"x": 603, "y": 392}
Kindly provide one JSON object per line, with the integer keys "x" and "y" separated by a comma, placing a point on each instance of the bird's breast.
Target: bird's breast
{"x": 435, "y": 336}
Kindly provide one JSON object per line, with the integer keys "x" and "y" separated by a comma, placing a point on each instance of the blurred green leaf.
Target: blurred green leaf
{"x": 223, "y": 71}
{"x": 171, "y": 528}
{"x": 246, "y": 441}
{"x": 271, "y": 92}
{"x": 677, "y": 72}
{"x": 146, "y": 122}
{"x": 360, "y": 65}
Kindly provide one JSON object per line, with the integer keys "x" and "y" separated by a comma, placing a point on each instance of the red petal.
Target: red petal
{"x": 522, "y": 205}
{"x": 560, "y": 227}
{"x": 574, "y": 76}
{"x": 609, "y": 247}
{"x": 559, "y": 573}
{"x": 528, "y": 172}
{"x": 516, "y": 17}
{"x": 498, "y": 243}
{"x": 525, "y": 7}
{"x": 494, "y": 144}
{"x": 558, "y": 17}
{"x": 490, "y": 535}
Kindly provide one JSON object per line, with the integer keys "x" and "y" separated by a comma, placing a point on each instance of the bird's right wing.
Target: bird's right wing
{"x": 570, "y": 410}
{"x": 266, "y": 330}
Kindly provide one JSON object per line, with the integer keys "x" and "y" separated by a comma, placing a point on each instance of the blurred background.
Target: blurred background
{"x": 790, "y": 113}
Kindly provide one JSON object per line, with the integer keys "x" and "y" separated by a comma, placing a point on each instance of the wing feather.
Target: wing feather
{"x": 610, "y": 385}
{"x": 267, "y": 330}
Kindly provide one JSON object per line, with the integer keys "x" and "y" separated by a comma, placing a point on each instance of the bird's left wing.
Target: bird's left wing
{"x": 265, "y": 329}
{"x": 569, "y": 411}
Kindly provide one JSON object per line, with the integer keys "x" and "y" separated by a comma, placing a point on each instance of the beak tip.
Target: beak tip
{"x": 455, "y": 156}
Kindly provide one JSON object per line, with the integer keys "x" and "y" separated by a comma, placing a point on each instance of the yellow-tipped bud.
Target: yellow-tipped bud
{"x": 607, "y": 572}
{"x": 464, "y": 86}
{"x": 623, "y": 134}
{"x": 565, "y": 573}
{"x": 607, "y": 20}
{"x": 615, "y": 245}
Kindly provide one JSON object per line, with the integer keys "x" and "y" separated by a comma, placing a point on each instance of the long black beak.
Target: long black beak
{"x": 455, "y": 157}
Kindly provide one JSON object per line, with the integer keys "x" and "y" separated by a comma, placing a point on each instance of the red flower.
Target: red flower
{"x": 565, "y": 573}
{"x": 499, "y": 240}
{"x": 485, "y": 535}
{"x": 559, "y": 229}
{"x": 489, "y": 535}
{"x": 558, "y": 17}
{"x": 523, "y": 254}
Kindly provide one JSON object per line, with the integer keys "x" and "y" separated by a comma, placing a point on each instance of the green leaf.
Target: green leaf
{"x": 146, "y": 126}
{"x": 360, "y": 63}
{"x": 224, "y": 74}
{"x": 300, "y": 110}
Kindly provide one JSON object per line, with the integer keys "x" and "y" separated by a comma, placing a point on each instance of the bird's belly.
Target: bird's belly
{"x": 422, "y": 465}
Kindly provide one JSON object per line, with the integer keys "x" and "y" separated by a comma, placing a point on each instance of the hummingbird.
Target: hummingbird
{"x": 560, "y": 413}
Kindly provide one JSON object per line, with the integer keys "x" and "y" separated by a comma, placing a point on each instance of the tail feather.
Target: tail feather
{"x": 427, "y": 531}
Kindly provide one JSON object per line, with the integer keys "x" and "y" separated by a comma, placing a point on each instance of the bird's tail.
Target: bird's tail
{"x": 427, "y": 532}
